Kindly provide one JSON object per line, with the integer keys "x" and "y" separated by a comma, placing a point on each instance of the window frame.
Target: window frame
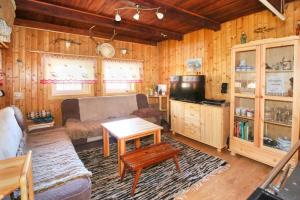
{"x": 134, "y": 85}
{"x": 116, "y": 92}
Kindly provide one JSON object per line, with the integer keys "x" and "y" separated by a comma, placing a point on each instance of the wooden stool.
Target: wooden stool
{"x": 145, "y": 157}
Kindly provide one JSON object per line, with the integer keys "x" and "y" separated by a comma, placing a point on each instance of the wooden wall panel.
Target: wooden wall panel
{"x": 215, "y": 47}
{"x": 24, "y": 68}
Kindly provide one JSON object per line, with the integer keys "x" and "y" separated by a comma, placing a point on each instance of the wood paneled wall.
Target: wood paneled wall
{"x": 23, "y": 68}
{"x": 215, "y": 47}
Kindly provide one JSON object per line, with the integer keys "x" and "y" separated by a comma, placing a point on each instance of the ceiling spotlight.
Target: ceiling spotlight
{"x": 118, "y": 17}
{"x": 136, "y": 16}
{"x": 159, "y": 15}
{"x": 163, "y": 35}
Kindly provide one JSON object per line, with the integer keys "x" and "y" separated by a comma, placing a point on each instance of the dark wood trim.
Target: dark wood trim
{"x": 58, "y": 28}
{"x": 201, "y": 21}
{"x": 95, "y": 19}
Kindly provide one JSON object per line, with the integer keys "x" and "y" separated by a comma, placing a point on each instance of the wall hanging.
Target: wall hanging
{"x": 105, "y": 49}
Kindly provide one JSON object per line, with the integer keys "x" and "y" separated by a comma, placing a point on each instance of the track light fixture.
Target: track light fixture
{"x": 118, "y": 17}
{"x": 137, "y": 15}
{"x": 159, "y": 15}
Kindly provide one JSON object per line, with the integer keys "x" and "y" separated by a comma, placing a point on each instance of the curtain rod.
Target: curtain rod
{"x": 58, "y": 53}
{"x": 80, "y": 55}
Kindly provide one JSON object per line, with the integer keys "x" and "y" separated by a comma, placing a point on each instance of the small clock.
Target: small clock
{"x": 2, "y": 93}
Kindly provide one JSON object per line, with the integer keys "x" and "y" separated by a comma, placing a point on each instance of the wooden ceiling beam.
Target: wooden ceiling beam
{"x": 95, "y": 19}
{"x": 72, "y": 30}
{"x": 201, "y": 21}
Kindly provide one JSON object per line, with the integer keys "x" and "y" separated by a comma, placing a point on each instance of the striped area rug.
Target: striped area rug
{"x": 161, "y": 181}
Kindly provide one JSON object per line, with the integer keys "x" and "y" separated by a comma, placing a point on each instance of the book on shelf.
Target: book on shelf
{"x": 242, "y": 130}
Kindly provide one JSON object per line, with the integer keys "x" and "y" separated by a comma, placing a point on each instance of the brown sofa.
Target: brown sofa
{"x": 82, "y": 117}
{"x": 58, "y": 173}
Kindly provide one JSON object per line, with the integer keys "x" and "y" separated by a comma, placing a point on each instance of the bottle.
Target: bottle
{"x": 243, "y": 38}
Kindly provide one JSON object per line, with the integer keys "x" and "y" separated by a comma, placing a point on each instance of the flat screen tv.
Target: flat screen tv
{"x": 187, "y": 88}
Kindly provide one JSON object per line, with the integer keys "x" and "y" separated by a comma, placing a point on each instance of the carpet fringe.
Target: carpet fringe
{"x": 181, "y": 195}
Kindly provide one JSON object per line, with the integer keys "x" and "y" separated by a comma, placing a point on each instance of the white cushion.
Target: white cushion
{"x": 10, "y": 134}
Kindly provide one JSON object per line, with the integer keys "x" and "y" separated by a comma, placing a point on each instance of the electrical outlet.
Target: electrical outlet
{"x": 18, "y": 95}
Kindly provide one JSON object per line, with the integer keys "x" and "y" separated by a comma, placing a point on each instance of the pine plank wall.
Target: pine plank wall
{"x": 215, "y": 47}
{"x": 23, "y": 69}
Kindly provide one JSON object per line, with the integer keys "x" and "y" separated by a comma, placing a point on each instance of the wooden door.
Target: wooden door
{"x": 245, "y": 94}
{"x": 279, "y": 102}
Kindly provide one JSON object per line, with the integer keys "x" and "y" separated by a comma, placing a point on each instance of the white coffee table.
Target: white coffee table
{"x": 128, "y": 129}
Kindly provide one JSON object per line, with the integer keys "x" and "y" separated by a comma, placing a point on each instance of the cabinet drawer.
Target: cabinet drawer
{"x": 193, "y": 113}
{"x": 191, "y": 106}
{"x": 192, "y": 132}
{"x": 192, "y": 121}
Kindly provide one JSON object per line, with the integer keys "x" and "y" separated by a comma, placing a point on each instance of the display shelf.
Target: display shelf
{"x": 278, "y": 123}
{"x": 244, "y": 117}
{"x": 243, "y": 141}
{"x": 279, "y": 71}
{"x": 278, "y": 98}
{"x": 249, "y": 96}
{"x": 246, "y": 72}
{"x": 275, "y": 125}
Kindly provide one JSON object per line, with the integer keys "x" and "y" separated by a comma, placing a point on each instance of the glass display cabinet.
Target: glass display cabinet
{"x": 265, "y": 98}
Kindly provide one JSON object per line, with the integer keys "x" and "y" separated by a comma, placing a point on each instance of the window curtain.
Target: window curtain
{"x": 1, "y": 72}
{"x": 118, "y": 71}
{"x": 68, "y": 69}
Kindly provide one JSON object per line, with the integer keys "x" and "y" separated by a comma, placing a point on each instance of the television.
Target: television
{"x": 187, "y": 88}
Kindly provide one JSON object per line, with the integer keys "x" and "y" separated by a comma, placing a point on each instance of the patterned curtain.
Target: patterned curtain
{"x": 1, "y": 72}
{"x": 68, "y": 69}
{"x": 117, "y": 71}
{"x": 5, "y": 31}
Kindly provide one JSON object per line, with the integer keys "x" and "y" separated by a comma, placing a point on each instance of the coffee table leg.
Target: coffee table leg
{"x": 121, "y": 151}
{"x": 137, "y": 143}
{"x": 157, "y": 137}
{"x": 105, "y": 142}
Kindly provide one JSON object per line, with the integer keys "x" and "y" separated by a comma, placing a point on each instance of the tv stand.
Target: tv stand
{"x": 208, "y": 124}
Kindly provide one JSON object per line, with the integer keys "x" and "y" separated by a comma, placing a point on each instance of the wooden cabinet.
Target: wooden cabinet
{"x": 204, "y": 123}
{"x": 265, "y": 99}
{"x": 177, "y": 116}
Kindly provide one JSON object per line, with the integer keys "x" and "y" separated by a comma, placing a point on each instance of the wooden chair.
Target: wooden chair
{"x": 26, "y": 183}
{"x": 17, "y": 173}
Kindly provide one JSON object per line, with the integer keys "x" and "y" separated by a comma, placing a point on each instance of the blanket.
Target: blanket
{"x": 54, "y": 159}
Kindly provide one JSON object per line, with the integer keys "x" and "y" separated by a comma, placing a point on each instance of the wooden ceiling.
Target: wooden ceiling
{"x": 181, "y": 16}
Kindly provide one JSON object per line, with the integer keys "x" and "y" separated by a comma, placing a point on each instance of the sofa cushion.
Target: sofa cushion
{"x": 77, "y": 129}
{"x": 10, "y": 134}
{"x": 19, "y": 117}
{"x": 101, "y": 108}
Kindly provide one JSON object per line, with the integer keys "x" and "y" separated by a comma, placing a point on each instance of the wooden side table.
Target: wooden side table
{"x": 36, "y": 126}
{"x": 160, "y": 102}
{"x": 17, "y": 173}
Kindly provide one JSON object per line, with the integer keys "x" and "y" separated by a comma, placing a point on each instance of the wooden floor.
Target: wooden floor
{"x": 236, "y": 183}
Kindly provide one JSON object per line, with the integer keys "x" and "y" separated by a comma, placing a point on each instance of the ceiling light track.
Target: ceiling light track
{"x": 138, "y": 9}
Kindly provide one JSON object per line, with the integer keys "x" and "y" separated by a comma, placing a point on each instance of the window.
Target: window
{"x": 71, "y": 89}
{"x": 121, "y": 76}
{"x": 69, "y": 75}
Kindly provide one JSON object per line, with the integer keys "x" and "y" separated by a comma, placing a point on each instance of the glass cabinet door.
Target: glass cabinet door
{"x": 245, "y": 72}
{"x": 277, "y": 112}
{"x": 245, "y": 94}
